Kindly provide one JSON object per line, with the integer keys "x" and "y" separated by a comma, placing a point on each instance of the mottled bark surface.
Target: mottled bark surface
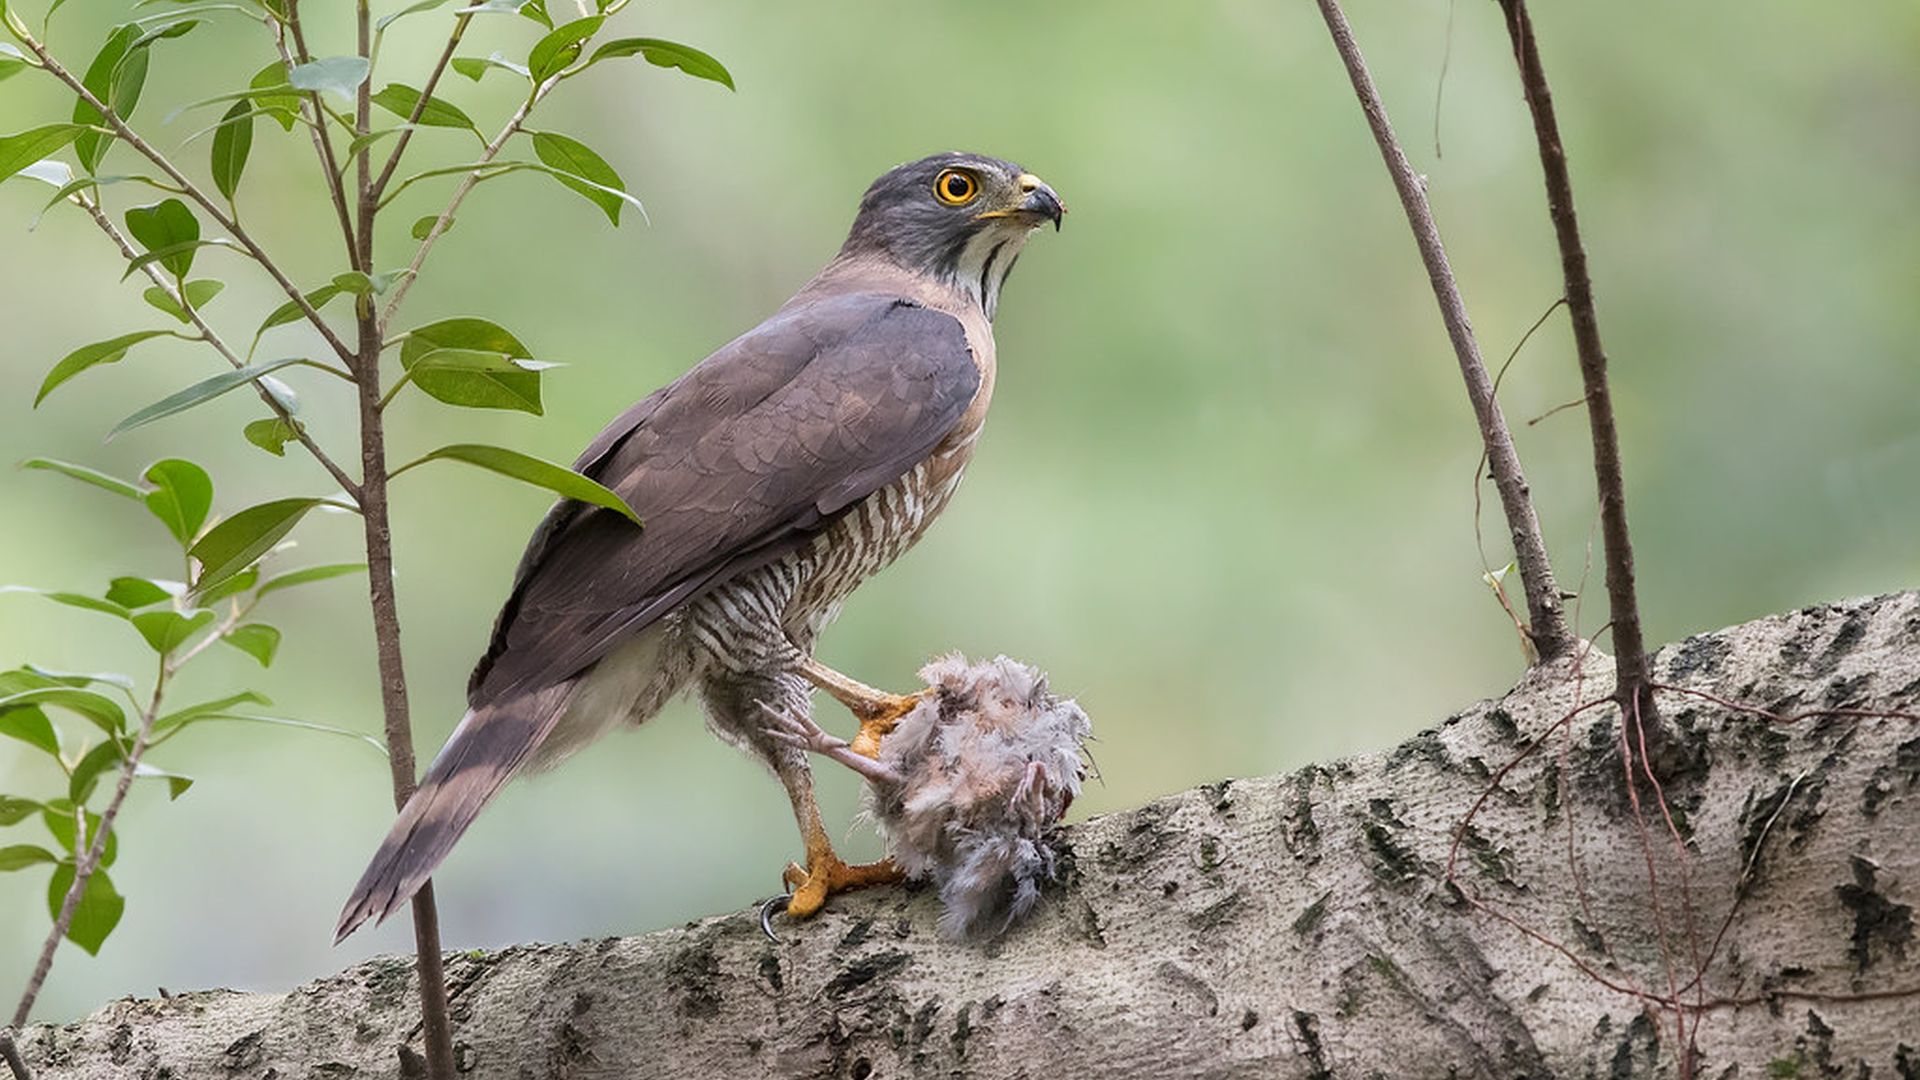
{"x": 1291, "y": 926}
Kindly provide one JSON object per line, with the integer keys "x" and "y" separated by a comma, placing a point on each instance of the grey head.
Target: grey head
{"x": 958, "y": 217}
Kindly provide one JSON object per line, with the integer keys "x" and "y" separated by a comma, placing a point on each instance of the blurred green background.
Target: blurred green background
{"x": 1226, "y": 493}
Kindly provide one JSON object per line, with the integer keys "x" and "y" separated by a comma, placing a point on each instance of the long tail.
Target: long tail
{"x": 490, "y": 745}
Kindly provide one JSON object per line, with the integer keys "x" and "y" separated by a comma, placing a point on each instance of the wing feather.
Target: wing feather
{"x": 744, "y": 458}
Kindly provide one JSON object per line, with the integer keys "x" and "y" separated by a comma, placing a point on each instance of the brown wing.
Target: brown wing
{"x": 744, "y": 458}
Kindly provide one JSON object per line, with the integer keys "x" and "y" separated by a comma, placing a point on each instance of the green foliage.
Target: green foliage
{"x": 95, "y": 728}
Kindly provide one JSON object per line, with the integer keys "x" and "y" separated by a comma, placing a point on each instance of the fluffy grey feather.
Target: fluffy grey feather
{"x": 987, "y": 764}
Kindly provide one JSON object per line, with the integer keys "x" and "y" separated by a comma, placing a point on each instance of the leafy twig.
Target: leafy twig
{"x": 166, "y": 285}
{"x": 225, "y": 221}
{"x": 1632, "y": 689}
{"x": 420, "y": 106}
{"x": 1547, "y": 621}
{"x": 87, "y": 863}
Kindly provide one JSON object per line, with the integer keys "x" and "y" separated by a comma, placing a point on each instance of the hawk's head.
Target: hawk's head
{"x": 963, "y": 217}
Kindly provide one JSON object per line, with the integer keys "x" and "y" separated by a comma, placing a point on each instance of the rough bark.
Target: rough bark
{"x": 1291, "y": 926}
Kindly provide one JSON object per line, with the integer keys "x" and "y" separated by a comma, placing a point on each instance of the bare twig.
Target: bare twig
{"x": 420, "y": 107}
{"x": 322, "y": 140}
{"x": 192, "y": 190}
{"x": 1632, "y": 689}
{"x": 90, "y": 861}
{"x": 167, "y": 286}
{"x": 1548, "y": 625}
{"x": 10, "y": 1053}
{"x": 436, "y": 1031}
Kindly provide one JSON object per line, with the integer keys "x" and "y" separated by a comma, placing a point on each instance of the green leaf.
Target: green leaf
{"x": 473, "y": 67}
{"x": 424, "y": 227}
{"x": 532, "y": 470}
{"x": 233, "y": 586}
{"x": 97, "y": 708}
{"x": 273, "y": 434}
{"x": 85, "y": 475}
{"x": 100, "y": 352}
{"x": 284, "y": 108}
{"x": 400, "y": 100}
{"x": 177, "y": 784}
{"x": 116, "y": 76}
{"x": 78, "y": 600}
{"x": 231, "y": 145}
{"x": 492, "y": 7}
{"x": 97, "y": 913}
{"x": 182, "y": 495}
{"x": 137, "y": 592}
{"x": 561, "y": 46}
{"x": 172, "y": 253}
{"x": 234, "y": 544}
{"x": 12, "y": 62}
{"x": 667, "y": 54}
{"x": 199, "y": 393}
{"x": 199, "y": 294}
{"x": 257, "y": 640}
{"x": 337, "y": 75}
{"x": 478, "y": 369}
{"x": 166, "y": 226}
{"x": 84, "y": 678}
{"x": 14, "y": 810}
{"x": 310, "y": 575}
{"x": 21, "y": 856}
{"x": 30, "y": 726}
{"x": 182, "y": 717}
{"x": 411, "y": 9}
{"x": 21, "y": 150}
{"x": 168, "y": 630}
{"x": 575, "y": 160}
{"x": 86, "y": 772}
{"x": 290, "y": 311}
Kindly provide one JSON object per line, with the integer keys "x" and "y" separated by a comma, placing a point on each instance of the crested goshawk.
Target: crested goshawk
{"x": 773, "y": 478}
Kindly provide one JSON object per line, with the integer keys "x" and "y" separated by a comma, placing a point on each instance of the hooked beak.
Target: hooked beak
{"x": 1038, "y": 203}
{"x": 1041, "y": 200}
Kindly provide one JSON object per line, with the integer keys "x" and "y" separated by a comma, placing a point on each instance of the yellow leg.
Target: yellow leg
{"x": 877, "y": 710}
{"x": 824, "y": 873}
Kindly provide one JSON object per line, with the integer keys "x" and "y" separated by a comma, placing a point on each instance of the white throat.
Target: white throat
{"x": 985, "y": 263}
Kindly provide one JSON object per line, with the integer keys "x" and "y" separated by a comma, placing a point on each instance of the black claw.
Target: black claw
{"x": 767, "y": 910}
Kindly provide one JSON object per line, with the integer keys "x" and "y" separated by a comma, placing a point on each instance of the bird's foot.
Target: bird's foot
{"x": 825, "y": 875}
{"x": 879, "y": 717}
{"x": 798, "y": 729}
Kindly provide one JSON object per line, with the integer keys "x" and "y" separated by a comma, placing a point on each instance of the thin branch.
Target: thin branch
{"x": 1548, "y": 624}
{"x": 85, "y": 866}
{"x": 420, "y": 106}
{"x": 1632, "y": 689}
{"x": 208, "y": 335}
{"x": 459, "y": 195}
{"x": 10, "y": 1053}
{"x": 192, "y": 191}
{"x": 322, "y": 140}
{"x": 436, "y": 1027}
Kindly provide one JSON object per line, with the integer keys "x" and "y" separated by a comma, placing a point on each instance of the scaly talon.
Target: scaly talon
{"x": 829, "y": 875}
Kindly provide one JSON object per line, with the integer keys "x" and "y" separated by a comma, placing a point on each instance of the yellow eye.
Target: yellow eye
{"x": 955, "y": 187}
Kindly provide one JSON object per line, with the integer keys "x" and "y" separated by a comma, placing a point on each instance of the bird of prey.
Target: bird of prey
{"x": 773, "y": 478}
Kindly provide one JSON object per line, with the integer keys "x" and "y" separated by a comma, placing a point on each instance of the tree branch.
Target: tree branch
{"x": 1547, "y": 623}
{"x": 386, "y": 613}
{"x": 322, "y": 140}
{"x": 167, "y": 286}
{"x": 1294, "y": 926}
{"x": 467, "y": 182}
{"x": 192, "y": 190}
{"x": 420, "y": 106}
{"x": 85, "y": 866}
{"x": 1635, "y": 697}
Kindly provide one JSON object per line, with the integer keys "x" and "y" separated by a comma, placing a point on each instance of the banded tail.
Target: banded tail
{"x": 491, "y": 743}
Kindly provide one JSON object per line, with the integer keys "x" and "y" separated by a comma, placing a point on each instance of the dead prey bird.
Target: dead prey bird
{"x": 966, "y": 787}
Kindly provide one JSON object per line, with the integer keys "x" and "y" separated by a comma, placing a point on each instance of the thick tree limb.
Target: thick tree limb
{"x": 1291, "y": 926}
